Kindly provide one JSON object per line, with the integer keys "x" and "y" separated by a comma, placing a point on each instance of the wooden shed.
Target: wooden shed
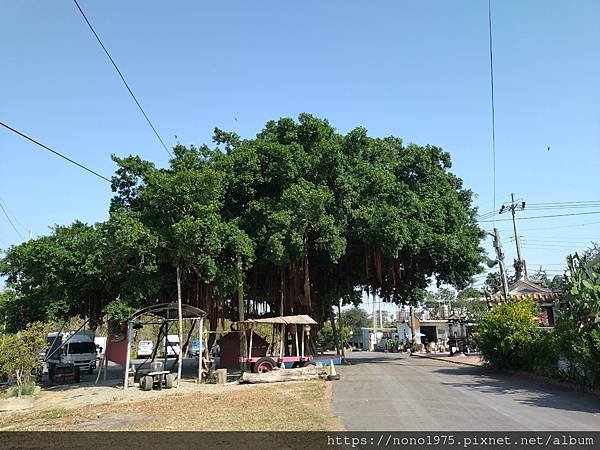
{"x": 230, "y": 349}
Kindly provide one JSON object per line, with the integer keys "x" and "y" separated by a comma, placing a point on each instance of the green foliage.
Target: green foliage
{"x": 355, "y": 319}
{"x": 469, "y": 303}
{"x": 469, "y": 293}
{"x": 583, "y": 293}
{"x": 507, "y": 336}
{"x": 493, "y": 283}
{"x": 323, "y": 214}
{"x": 558, "y": 283}
{"x": 118, "y": 312}
{"x": 19, "y": 354}
{"x": 326, "y": 339}
{"x": 578, "y": 330}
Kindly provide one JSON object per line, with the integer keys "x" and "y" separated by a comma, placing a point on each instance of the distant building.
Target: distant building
{"x": 366, "y": 341}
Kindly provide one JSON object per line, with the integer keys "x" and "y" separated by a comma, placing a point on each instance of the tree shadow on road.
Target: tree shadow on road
{"x": 523, "y": 390}
{"x": 372, "y": 360}
{"x": 393, "y": 359}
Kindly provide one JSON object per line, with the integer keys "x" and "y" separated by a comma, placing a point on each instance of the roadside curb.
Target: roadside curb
{"x": 463, "y": 363}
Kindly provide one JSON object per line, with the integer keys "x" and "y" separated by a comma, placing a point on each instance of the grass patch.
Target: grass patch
{"x": 54, "y": 414}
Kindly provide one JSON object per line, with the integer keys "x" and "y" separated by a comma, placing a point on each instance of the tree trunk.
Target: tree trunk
{"x": 241, "y": 318}
{"x": 335, "y": 333}
{"x": 341, "y": 322}
{"x": 281, "y": 293}
{"x": 306, "y": 271}
{"x": 299, "y": 374}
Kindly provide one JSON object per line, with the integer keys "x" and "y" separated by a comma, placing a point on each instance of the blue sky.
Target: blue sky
{"x": 418, "y": 70}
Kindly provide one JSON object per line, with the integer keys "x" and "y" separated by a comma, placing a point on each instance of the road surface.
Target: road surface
{"x": 392, "y": 391}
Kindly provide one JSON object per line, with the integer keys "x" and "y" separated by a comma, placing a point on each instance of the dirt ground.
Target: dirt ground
{"x": 291, "y": 406}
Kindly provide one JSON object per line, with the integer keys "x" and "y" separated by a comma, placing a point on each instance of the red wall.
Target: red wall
{"x": 230, "y": 349}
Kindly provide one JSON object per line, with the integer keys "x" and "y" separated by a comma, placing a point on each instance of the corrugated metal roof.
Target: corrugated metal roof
{"x": 299, "y": 319}
{"x": 169, "y": 311}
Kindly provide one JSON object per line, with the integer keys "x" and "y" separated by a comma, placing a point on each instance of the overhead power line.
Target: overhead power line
{"x": 11, "y": 222}
{"x": 547, "y": 216}
{"x": 578, "y": 202}
{"x": 123, "y": 78}
{"x": 492, "y": 97}
{"x": 547, "y": 206}
{"x": 557, "y": 227}
{"x": 55, "y": 152}
{"x": 17, "y": 221}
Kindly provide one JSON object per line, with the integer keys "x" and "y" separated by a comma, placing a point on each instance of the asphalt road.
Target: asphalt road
{"x": 392, "y": 392}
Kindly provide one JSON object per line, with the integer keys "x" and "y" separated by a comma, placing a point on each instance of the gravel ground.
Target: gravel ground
{"x": 291, "y": 406}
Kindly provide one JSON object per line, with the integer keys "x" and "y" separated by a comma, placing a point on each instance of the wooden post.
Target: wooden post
{"x": 128, "y": 355}
{"x": 250, "y": 348}
{"x": 281, "y": 346}
{"x": 200, "y": 348}
{"x": 413, "y": 331}
{"x": 180, "y": 321}
{"x": 99, "y": 370}
{"x": 105, "y": 354}
{"x": 241, "y": 316}
{"x": 296, "y": 336}
{"x": 303, "y": 333}
{"x": 221, "y": 376}
{"x": 105, "y": 360}
{"x": 166, "y": 349}
{"x": 374, "y": 322}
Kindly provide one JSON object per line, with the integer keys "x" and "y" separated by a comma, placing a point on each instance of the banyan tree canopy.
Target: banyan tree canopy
{"x": 298, "y": 217}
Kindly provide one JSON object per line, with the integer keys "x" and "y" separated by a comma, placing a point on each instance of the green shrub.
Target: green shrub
{"x": 19, "y": 354}
{"x": 544, "y": 354}
{"x": 509, "y": 336}
{"x": 28, "y": 388}
{"x": 581, "y": 349}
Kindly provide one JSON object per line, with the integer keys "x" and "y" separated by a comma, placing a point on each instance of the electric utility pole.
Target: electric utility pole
{"x": 500, "y": 261}
{"x": 520, "y": 266}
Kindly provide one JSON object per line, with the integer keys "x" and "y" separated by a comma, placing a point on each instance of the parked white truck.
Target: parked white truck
{"x": 77, "y": 349}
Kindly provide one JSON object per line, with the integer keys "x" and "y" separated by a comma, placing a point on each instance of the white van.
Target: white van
{"x": 171, "y": 342}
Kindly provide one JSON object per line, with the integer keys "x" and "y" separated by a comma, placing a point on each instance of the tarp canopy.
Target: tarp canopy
{"x": 298, "y": 320}
{"x": 169, "y": 311}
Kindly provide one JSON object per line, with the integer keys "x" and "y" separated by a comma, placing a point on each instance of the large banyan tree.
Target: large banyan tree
{"x": 298, "y": 218}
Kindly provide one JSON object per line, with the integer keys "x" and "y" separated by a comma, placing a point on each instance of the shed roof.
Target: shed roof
{"x": 169, "y": 311}
{"x": 299, "y": 319}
